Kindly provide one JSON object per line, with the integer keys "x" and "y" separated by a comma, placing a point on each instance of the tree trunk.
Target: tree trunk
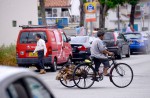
{"x": 102, "y": 17}
{"x": 82, "y": 13}
{"x": 132, "y": 15}
{"x": 42, "y": 11}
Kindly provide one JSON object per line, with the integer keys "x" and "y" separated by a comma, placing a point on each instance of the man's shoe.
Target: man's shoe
{"x": 42, "y": 71}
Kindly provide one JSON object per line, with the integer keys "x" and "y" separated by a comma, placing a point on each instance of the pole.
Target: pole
{"x": 91, "y": 24}
{"x": 118, "y": 10}
{"x": 149, "y": 18}
{"x": 91, "y": 28}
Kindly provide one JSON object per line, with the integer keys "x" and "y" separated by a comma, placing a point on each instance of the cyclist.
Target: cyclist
{"x": 99, "y": 53}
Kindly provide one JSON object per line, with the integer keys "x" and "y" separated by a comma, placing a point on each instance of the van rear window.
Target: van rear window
{"x": 29, "y": 37}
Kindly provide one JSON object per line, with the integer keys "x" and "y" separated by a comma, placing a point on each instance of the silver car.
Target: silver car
{"x": 21, "y": 83}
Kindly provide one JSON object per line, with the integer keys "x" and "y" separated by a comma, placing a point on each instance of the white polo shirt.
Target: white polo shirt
{"x": 41, "y": 46}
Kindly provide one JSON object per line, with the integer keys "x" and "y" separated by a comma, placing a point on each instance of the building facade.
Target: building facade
{"x": 13, "y": 14}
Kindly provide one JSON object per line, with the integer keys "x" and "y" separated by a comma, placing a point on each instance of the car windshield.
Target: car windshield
{"x": 29, "y": 37}
{"x": 133, "y": 35}
{"x": 79, "y": 39}
{"x": 108, "y": 36}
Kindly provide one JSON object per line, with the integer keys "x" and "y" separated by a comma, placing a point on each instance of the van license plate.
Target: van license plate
{"x": 31, "y": 54}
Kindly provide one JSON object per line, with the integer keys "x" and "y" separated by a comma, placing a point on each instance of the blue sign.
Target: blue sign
{"x": 90, "y": 7}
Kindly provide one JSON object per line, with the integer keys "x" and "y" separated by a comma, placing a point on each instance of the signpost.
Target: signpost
{"x": 90, "y": 13}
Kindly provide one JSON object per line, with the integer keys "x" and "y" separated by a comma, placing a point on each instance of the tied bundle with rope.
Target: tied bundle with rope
{"x": 66, "y": 73}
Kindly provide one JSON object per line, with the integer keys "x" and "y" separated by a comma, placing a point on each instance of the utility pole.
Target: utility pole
{"x": 118, "y": 15}
{"x": 91, "y": 25}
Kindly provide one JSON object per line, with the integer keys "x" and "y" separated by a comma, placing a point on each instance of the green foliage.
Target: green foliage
{"x": 8, "y": 55}
{"x": 133, "y": 2}
{"x": 84, "y": 1}
{"x": 112, "y": 3}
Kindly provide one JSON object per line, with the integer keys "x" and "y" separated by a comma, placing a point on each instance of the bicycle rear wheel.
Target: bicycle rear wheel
{"x": 84, "y": 76}
{"x": 67, "y": 82}
{"x": 122, "y": 75}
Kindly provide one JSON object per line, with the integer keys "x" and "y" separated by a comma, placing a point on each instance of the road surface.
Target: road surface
{"x": 140, "y": 87}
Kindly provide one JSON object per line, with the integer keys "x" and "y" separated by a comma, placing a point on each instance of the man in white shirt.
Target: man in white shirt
{"x": 42, "y": 50}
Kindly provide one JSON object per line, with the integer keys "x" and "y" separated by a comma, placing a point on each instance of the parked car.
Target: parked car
{"x": 22, "y": 83}
{"x": 58, "y": 46}
{"x": 81, "y": 47}
{"x": 117, "y": 43}
{"x": 139, "y": 41}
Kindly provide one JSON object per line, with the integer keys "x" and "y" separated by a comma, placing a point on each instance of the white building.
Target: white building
{"x": 142, "y": 17}
{"x": 62, "y": 12}
{"x": 13, "y": 14}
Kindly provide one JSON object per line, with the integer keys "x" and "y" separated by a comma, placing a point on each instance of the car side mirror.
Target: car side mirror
{"x": 68, "y": 39}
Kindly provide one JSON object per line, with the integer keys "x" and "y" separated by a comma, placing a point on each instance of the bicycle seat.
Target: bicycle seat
{"x": 88, "y": 61}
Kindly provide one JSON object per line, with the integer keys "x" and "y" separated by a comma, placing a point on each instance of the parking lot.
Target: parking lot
{"x": 139, "y": 88}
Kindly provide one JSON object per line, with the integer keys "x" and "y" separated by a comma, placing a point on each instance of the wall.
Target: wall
{"x": 21, "y": 11}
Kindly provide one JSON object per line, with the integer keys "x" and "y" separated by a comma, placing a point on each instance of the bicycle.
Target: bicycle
{"x": 121, "y": 74}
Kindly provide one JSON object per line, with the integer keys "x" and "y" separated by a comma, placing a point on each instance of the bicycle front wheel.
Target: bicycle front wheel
{"x": 122, "y": 75}
{"x": 84, "y": 76}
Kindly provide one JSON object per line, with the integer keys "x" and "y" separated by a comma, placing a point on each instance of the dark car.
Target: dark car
{"x": 81, "y": 47}
{"x": 139, "y": 42}
{"x": 117, "y": 43}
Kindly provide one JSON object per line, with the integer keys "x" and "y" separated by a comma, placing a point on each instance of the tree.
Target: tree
{"x": 133, "y": 5}
{"x": 42, "y": 11}
{"x": 82, "y": 13}
{"x": 105, "y": 5}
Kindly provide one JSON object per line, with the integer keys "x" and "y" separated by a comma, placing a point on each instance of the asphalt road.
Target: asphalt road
{"x": 140, "y": 87}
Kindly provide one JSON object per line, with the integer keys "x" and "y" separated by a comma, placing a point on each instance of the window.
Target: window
{"x": 64, "y": 37}
{"x": 29, "y": 37}
{"x": 29, "y": 22}
{"x": 108, "y": 36}
{"x": 79, "y": 39}
{"x": 57, "y": 35}
{"x": 17, "y": 90}
{"x": 120, "y": 37}
{"x": 133, "y": 35}
{"x": 14, "y": 23}
{"x": 37, "y": 89}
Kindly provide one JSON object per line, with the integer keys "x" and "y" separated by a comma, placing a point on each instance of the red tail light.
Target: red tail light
{"x": 82, "y": 48}
{"x": 49, "y": 50}
{"x": 115, "y": 40}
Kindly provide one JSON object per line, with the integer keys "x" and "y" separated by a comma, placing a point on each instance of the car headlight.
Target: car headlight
{"x": 140, "y": 41}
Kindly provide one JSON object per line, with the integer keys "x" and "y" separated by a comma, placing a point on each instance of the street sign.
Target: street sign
{"x": 90, "y": 11}
{"x": 90, "y": 17}
{"x": 90, "y": 7}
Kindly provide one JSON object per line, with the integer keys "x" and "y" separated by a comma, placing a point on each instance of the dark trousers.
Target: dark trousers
{"x": 97, "y": 63}
{"x": 40, "y": 59}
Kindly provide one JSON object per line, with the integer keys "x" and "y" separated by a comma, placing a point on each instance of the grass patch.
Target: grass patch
{"x": 8, "y": 55}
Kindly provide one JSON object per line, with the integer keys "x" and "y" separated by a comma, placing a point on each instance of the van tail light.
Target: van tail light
{"x": 115, "y": 40}
{"x": 49, "y": 50}
{"x": 82, "y": 48}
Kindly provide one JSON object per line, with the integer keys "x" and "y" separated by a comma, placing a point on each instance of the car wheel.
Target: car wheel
{"x": 120, "y": 55}
{"x": 54, "y": 66}
{"x": 128, "y": 55}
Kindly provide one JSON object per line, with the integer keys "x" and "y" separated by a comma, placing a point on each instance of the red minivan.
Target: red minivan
{"x": 59, "y": 50}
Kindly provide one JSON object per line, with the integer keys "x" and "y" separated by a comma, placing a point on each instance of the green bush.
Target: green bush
{"x": 8, "y": 55}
